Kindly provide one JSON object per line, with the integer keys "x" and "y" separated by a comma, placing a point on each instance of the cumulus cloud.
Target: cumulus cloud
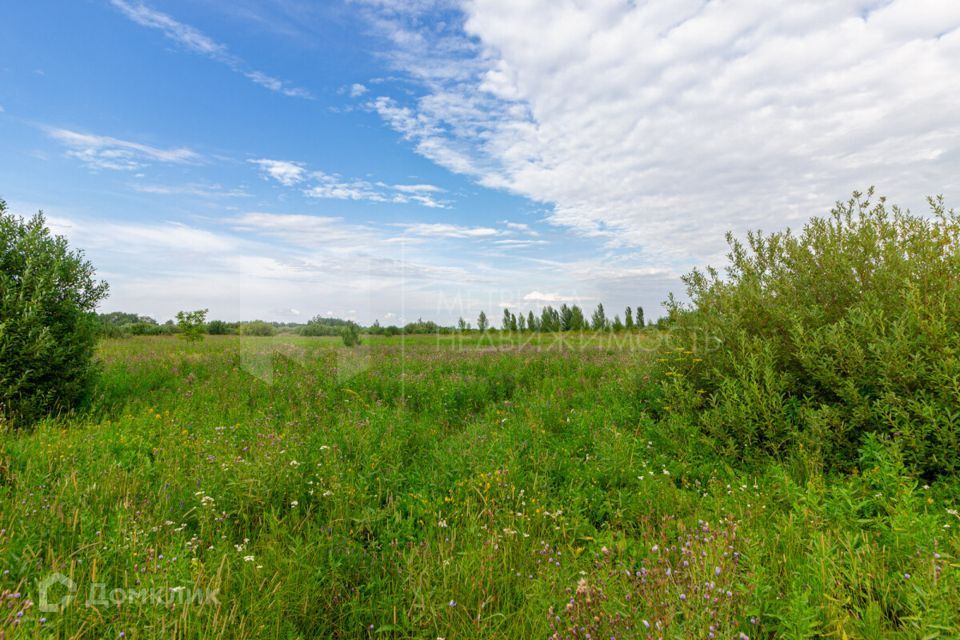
{"x": 194, "y": 40}
{"x": 105, "y": 152}
{"x": 660, "y": 125}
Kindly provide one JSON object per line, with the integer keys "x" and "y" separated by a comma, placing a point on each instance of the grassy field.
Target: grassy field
{"x": 444, "y": 488}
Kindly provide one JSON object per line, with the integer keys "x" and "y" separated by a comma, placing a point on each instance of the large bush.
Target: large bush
{"x": 47, "y": 326}
{"x": 256, "y": 328}
{"x": 818, "y": 339}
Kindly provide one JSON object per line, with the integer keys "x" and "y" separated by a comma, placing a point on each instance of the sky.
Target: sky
{"x": 400, "y": 159}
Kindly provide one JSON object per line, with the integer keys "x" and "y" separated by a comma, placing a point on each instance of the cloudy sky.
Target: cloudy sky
{"x": 395, "y": 159}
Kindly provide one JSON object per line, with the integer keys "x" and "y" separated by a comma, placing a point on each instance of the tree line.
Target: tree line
{"x": 117, "y": 324}
{"x": 555, "y": 320}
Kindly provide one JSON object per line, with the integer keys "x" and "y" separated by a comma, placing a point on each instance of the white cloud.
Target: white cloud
{"x": 183, "y": 34}
{"x": 261, "y": 264}
{"x": 275, "y": 84}
{"x": 442, "y": 230}
{"x": 264, "y": 265}
{"x": 417, "y": 188}
{"x": 324, "y": 185}
{"x": 420, "y": 193}
{"x": 357, "y": 90}
{"x": 285, "y": 172}
{"x": 105, "y": 152}
{"x": 334, "y": 187}
{"x": 307, "y": 231}
{"x": 194, "y": 40}
{"x": 199, "y": 190}
{"x": 660, "y": 125}
{"x": 549, "y": 298}
{"x": 519, "y": 244}
{"x": 143, "y": 240}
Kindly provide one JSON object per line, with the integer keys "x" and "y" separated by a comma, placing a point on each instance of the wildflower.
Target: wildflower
{"x": 294, "y": 463}
{"x": 442, "y": 523}
{"x": 248, "y": 558}
{"x": 683, "y": 597}
{"x": 716, "y": 571}
{"x": 453, "y": 603}
{"x": 294, "y": 503}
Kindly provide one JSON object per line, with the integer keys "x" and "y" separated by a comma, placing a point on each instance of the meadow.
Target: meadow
{"x": 457, "y": 486}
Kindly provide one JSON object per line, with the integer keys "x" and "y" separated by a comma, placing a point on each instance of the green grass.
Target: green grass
{"x": 446, "y": 487}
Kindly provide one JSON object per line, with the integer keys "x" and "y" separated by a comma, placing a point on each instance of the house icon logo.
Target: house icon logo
{"x": 47, "y": 600}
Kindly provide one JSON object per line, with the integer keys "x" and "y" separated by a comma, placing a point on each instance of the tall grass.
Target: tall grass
{"x": 446, "y": 488}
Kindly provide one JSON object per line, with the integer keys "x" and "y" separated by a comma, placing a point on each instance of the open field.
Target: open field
{"x": 444, "y": 488}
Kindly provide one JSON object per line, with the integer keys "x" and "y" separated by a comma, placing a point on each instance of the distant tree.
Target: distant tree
{"x": 617, "y": 324}
{"x": 217, "y": 328}
{"x": 599, "y": 320}
{"x": 482, "y": 322}
{"x": 48, "y": 330}
{"x": 640, "y": 317}
{"x": 191, "y": 324}
{"x": 350, "y": 334}
{"x": 505, "y": 323}
{"x": 628, "y": 319}
{"x": 532, "y": 321}
{"x": 522, "y": 322}
{"x": 461, "y": 325}
{"x": 513, "y": 322}
{"x": 546, "y": 319}
{"x": 577, "y": 321}
{"x": 566, "y": 317}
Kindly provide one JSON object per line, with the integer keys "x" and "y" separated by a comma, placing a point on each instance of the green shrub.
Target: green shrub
{"x": 350, "y": 334}
{"x": 47, "y": 327}
{"x": 143, "y": 329}
{"x": 323, "y": 326}
{"x": 256, "y": 328}
{"x": 218, "y": 328}
{"x": 818, "y": 339}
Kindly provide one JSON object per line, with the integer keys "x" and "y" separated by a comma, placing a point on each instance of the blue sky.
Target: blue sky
{"x": 429, "y": 158}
